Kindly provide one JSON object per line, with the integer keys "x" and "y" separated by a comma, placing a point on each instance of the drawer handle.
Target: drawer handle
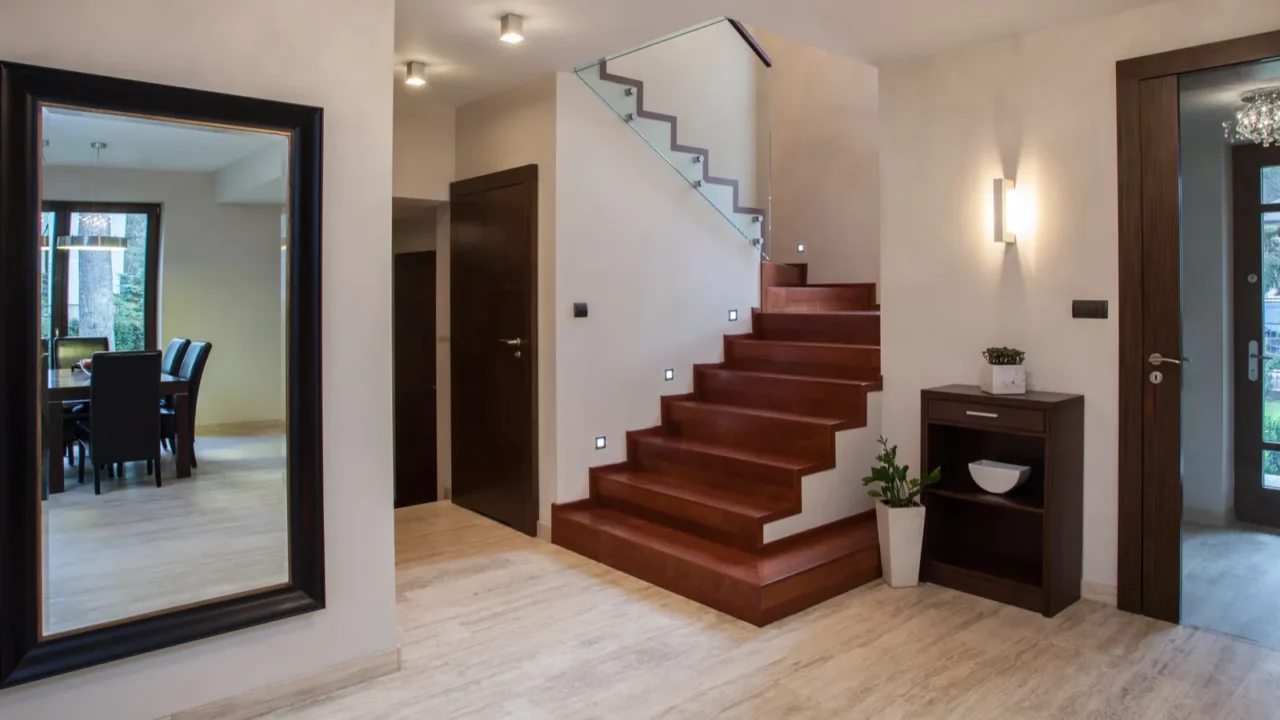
{"x": 975, "y": 413}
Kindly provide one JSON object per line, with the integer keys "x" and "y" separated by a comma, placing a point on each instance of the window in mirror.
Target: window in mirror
{"x": 163, "y": 307}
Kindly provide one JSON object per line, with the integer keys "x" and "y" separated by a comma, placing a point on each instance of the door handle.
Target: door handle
{"x": 1158, "y": 359}
{"x": 517, "y": 342}
{"x": 1254, "y": 357}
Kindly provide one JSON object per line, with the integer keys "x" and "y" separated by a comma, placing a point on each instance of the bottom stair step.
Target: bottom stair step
{"x": 782, "y": 579}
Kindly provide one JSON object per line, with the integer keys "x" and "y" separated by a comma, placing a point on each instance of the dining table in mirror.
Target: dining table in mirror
{"x": 161, "y": 325}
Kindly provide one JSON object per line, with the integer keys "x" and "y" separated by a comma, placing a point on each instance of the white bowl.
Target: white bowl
{"x": 997, "y": 477}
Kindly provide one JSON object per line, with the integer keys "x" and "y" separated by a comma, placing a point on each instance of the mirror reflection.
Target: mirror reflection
{"x": 163, "y": 256}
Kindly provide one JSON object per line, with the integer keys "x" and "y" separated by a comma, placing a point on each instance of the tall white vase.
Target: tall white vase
{"x": 901, "y": 532}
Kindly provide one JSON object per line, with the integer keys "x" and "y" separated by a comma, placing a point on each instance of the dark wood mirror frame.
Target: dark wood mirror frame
{"x": 24, "y": 655}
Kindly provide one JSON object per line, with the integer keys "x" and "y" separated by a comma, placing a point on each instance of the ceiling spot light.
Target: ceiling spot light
{"x": 512, "y": 29}
{"x": 416, "y": 74}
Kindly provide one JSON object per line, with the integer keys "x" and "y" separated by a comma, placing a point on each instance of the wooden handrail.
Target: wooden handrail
{"x": 750, "y": 39}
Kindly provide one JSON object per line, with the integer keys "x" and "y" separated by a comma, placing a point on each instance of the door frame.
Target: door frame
{"x": 525, "y": 175}
{"x": 398, "y": 501}
{"x": 1149, "y": 578}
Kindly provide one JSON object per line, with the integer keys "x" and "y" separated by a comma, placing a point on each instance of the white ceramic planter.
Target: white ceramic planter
{"x": 901, "y": 532}
{"x": 1004, "y": 379}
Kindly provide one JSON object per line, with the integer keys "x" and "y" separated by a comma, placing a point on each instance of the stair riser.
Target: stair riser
{"x": 725, "y": 427}
{"x": 694, "y": 518}
{"x": 801, "y": 327}
{"x": 797, "y": 395}
{"x": 847, "y": 362}
{"x": 720, "y": 591}
{"x": 811, "y": 299}
{"x": 721, "y": 470}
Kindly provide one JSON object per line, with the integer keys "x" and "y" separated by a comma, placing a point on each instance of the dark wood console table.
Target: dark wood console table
{"x": 1023, "y": 548}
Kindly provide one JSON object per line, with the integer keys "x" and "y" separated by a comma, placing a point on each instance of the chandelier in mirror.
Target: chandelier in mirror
{"x": 1259, "y": 120}
{"x": 94, "y": 231}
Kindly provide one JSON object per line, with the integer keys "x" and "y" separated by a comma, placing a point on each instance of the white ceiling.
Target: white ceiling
{"x": 146, "y": 144}
{"x": 1212, "y": 97}
{"x": 465, "y": 61}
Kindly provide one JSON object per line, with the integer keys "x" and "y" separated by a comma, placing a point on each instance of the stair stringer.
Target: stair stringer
{"x": 838, "y": 493}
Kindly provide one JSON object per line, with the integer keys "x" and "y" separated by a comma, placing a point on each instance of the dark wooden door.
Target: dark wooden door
{"x": 1161, "y": 365}
{"x": 493, "y": 290}
{"x": 415, "y": 378}
{"x": 1255, "y": 281}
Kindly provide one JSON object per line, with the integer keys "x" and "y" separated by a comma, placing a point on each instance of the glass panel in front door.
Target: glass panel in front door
{"x": 1270, "y": 355}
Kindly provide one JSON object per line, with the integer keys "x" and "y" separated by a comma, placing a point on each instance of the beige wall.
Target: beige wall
{"x": 659, "y": 268}
{"x": 337, "y": 59}
{"x": 423, "y": 164}
{"x": 505, "y": 131}
{"x": 1040, "y": 108}
{"x": 825, "y": 129}
{"x": 219, "y": 274}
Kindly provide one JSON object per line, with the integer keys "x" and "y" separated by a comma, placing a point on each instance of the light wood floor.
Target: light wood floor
{"x": 1231, "y": 581}
{"x": 494, "y": 624}
{"x": 137, "y": 549}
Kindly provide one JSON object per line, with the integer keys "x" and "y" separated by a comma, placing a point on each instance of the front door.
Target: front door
{"x": 493, "y": 251}
{"x": 415, "y": 377}
{"x": 1256, "y": 288}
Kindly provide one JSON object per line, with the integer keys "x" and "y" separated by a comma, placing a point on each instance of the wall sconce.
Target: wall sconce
{"x": 1006, "y": 197}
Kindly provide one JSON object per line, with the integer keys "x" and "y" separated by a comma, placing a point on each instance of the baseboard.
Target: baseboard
{"x": 544, "y": 531}
{"x": 297, "y": 690}
{"x": 257, "y": 427}
{"x": 1098, "y": 592}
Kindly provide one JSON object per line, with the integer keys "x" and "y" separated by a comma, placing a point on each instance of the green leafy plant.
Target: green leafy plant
{"x": 889, "y": 483}
{"x": 1004, "y": 356}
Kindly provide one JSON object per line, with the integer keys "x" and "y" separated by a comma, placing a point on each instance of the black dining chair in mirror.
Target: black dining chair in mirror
{"x": 173, "y": 354}
{"x": 72, "y": 264}
{"x": 191, "y": 370}
{"x": 122, "y": 426}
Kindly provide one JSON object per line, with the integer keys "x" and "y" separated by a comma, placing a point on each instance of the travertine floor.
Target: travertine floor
{"x": 1231, "y": 581}
{"x": 137, "y": 549}
{"x": 494, "y": 624}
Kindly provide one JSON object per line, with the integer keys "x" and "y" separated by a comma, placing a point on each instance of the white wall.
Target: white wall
{"x": 824, "y": 122}
{"x": 660, "y": 270}
{"x": 505, "y": 131}
{"x": 423, "y": 164}
{"x": 268, "y": 50}
{"x": 709, "y": 79}
{"x": 1208, "y": 488}
{"x": 219, "y": 274}
{"x": 1041, "y": 108}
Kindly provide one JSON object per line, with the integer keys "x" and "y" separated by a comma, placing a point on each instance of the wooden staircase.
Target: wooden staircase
{"x": 687, "y": 510}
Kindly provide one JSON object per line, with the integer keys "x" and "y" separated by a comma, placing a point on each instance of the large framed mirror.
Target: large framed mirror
{"x": 160, "y": 387}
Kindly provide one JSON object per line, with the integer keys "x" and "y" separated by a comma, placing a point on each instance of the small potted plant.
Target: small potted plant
{"x": 1004, "y": 373}
{"x": 899, "y": 515}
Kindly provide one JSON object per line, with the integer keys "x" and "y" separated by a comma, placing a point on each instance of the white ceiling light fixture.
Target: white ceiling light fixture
{"x": 1259, "y": 121}
{"x": 95, "y": 227}
{"x": 512, "y": 29}
{"x": 416, "y": 74}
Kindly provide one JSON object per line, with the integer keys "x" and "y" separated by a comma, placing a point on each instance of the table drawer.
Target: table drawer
{"x": 996, "y": 416}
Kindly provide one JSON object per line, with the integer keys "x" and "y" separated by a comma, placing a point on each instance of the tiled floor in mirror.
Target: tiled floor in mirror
{"x": 138, "y": 549}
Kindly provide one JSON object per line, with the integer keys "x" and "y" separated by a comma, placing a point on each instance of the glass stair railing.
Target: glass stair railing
{"x": 699, "y": 98}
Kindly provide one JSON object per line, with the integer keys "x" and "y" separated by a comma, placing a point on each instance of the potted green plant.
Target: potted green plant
{"x": 899, "y": 515}
{"x": 1004, "y": 373}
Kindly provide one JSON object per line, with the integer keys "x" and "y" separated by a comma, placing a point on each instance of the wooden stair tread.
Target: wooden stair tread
{"x": 775, "y": 562}
{"x": 748, "y": 506}
{"x": 820, "y": 313}
{"x": 761, "y": 412}
{"x": 803, "y": 343}
{"x": 779, "y": 460}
